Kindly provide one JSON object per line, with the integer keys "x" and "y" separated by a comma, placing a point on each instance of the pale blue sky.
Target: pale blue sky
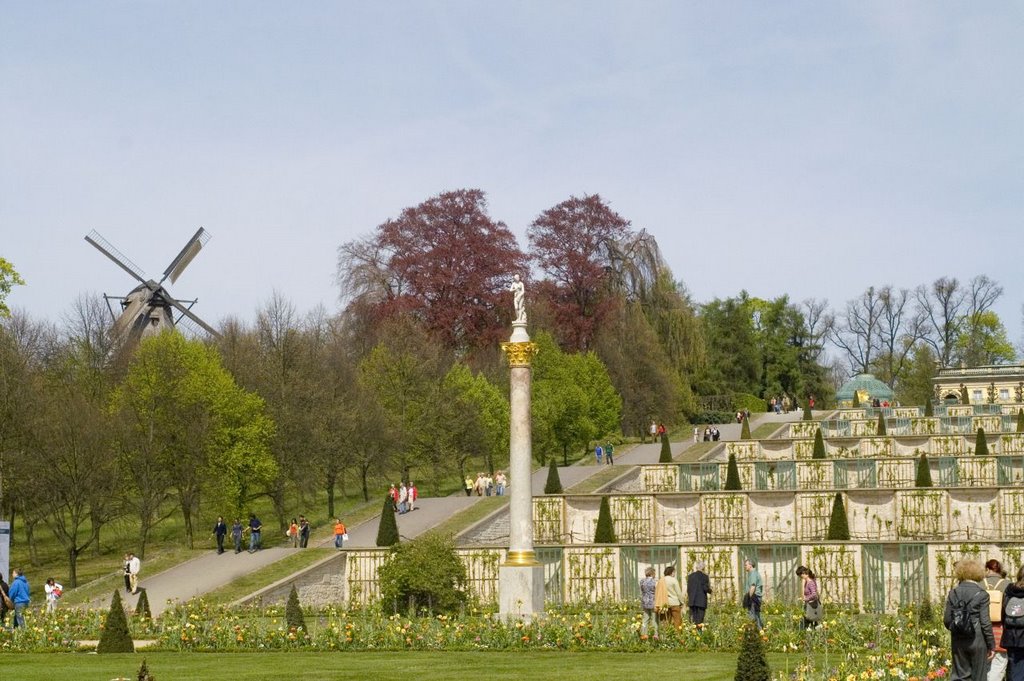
{"x": 809, "y": 148}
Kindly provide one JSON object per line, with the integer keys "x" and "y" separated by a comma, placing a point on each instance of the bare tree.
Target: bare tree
{"x": 941, "y": 304}
{"x": 820, "y": 322}
{"x": 858, "y": 329}
{"x": 900, "y": 329}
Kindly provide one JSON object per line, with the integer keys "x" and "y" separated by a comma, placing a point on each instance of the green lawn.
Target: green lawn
{"x": 421, "y": 666}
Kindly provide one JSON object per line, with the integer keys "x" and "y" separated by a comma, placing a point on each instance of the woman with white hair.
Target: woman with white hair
{"x": 966, "y": 616}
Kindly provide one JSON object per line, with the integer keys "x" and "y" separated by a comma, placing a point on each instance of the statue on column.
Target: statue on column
{"x": 518, "y": 290}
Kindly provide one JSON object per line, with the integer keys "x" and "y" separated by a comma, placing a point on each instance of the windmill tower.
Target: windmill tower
{"x": 149, "y": 308}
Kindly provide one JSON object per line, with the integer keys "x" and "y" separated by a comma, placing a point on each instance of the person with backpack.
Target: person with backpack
{"x": 995, "y": 583}
{"x": 966, "y": 616}
{"x": 1013, "y": 627}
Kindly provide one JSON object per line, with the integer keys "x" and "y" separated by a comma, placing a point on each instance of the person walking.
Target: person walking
{"x": 996, "y": 583}
{"x": 340, "y": 533}
{"x": 675, "y": 597}
{"x": 135, "y": 567}
{"x": 414, "y": 494}
{"x": 653, "y": 430}
{"x": 1013, "y": 627}
{"x": 468, "y": 485}
{"x": 500, "y": 483}
{"x": 647, "y": 589}
{"x": 303, "y": 532}
{"x": 293, "y": 533}
{"x": 53, "y": 592}
{"x": 598, "y": 452}
{"x": 753, "y": 592}
{"x": 128, "y": 573}
{"x": 255, "y": 533}
{"x": 6, "y": 604}
{"x": 609, "y": 454}
{"x": 236, "y": 535}
{"x": 698, "y": 586}
{"x": 403, "y": 499}
{"x": 19, "y": 594}
{"x": 220, "y": 530}
{"x": 966, "y": 616}
{"x": 811, "y": 598}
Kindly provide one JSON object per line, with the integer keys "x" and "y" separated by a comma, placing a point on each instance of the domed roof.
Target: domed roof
{"x": 864, "y": 383}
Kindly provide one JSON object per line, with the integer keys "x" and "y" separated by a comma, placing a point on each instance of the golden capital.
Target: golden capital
{"x": 519, "y": 354}
{"x": 522, "y": 559}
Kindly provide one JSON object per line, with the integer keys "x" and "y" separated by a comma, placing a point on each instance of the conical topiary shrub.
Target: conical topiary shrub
{"x": 980, "y": 443}
{"x": 929, "y": 410}
{"x": 387, "y": 533}
{"x": 856, "y": 399}
{"x": 1020, "y": 420}
{"x": 881, "y": 424}
{"x": 732, "y": 475}
{"x": 965, "y": 397}
{"x": 666, "y": 450}
{"x": 554, "y": 483}
{"x": 807, "y": 413}
{"x": 752, "y": 664}
{"x": 142, "y": 610}
{"x": 115, "y": 637}
{"x": 745, "y": 431}
{"x": 924, "y": 472}
{"x": 144, "y": 674}
{"x": 293, "y": 611}
{"x": 605, "y": 533}
{"x": 819, "y": 445}
{"x": 838, "y": 526}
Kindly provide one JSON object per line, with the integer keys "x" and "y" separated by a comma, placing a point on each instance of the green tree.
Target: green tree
{"x": 929, "y": 410}
{"x": 424, "y": 575}
{"x": 965, "y": 397}
{"x": 808, "y": 416}
{"x": 984, "y": 341}
{"x": 734, "y": 360}
{"x": 819, "y": 445}
{"x": 745, "y": 430}
{"x": 914, "y": 385}
{"x": 856, "y": 400}
{"x": 1020, "y": 420}
{"x": 293, "y": 611}
{"x": 880, "y": 430}
{"x": 115, "y": 637}
{"x": 475, "y": 419}
{"x": 9, "y": 278}
{"x": 142, "y": 609}
{"x": 838, "y": 526}
{"x": 752, "y": 663}
{"x": 188, "y": 426}
{"x": 387, "y": 531}
{"x": 924, "y": 472}
{"x": 605, "y": 531}
{"x": 554, "y": 483}
{"x": 980, "y": 443}
{"x": 732, "y": 475}
{"x": 666, "y": 450}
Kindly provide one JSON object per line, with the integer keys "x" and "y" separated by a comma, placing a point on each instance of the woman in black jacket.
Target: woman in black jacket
{"x": 1013, "y": 627}
{"x": 972, "y": 651}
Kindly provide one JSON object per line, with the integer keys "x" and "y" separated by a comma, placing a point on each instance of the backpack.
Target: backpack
{"x": 961, "y": 625}
{"x": 1014, "y": 612}
{"x": 995, "y": 599}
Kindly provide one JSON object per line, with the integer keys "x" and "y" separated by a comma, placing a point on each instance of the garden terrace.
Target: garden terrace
{"x": 873, "y": 446}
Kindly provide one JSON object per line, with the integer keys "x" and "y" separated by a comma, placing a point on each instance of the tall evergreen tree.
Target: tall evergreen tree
{"x": 819, "y": 445}
{"x": 605, "y": 532}
{"x": 293, "y": 611}
{"x": 666, "y": 450}
{"x": 838, "y": 526}
{"x": 929, "y": 410}
{"x": 981, "y": 443}
{"x": 554, "y": 483}
{"x": 142, "y": 609}
{"x": 745, "y": 430}
{"x": 965, "y": 397}
{"x": 732, "y": 475}
{"x": 881, "y": 424}
{"x": 387, "y": 532}
{"x": 924, "y": 472}
{"x": 1020, "y": 420}
{"x": 856, "y": 400}
{"x": 115, "y": 637}
{"x": 808, "y": 416}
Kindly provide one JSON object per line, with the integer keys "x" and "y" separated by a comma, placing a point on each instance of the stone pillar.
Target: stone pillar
{"x": 521, "y": 577}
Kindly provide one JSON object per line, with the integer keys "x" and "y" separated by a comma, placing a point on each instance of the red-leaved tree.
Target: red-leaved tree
{"x": 446, "y": 261}
{"x": 574, "y": 244}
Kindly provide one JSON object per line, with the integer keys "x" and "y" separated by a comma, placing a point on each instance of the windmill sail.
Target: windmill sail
{"x": 191, "y": 250}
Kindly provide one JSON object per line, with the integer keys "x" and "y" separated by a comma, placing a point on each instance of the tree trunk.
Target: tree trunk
{"x": 362, "y": 476}
{"x": 73, "y": 566}
{"x": 331, "y": 478}
{"x": 565, "y": 455}
{"x": 30, "y": 537}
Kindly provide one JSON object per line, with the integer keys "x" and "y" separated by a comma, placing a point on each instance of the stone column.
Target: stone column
{"x": 521, "y": 577}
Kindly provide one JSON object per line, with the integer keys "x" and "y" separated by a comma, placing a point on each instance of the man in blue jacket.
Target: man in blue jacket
{"x": 18, "y": 593}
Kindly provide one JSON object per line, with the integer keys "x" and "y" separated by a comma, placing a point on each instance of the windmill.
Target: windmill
{"x": 149, "y": 308}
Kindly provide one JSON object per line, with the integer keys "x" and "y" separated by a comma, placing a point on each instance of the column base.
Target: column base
{"x": 520, "y": 591}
